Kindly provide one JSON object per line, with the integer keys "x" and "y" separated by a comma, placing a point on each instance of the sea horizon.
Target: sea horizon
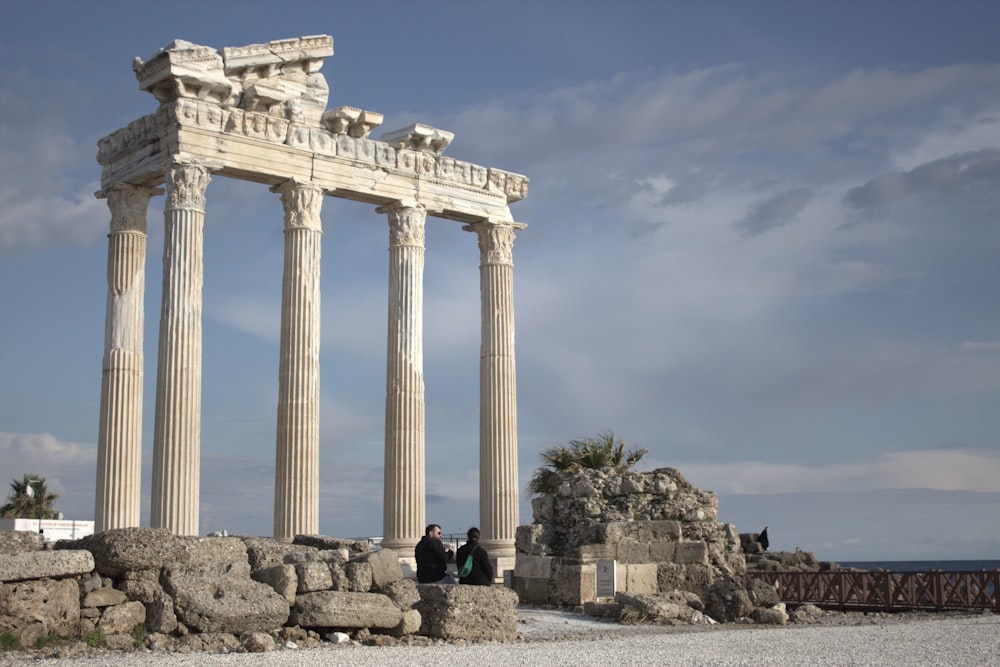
{"x": 954, "y": 565}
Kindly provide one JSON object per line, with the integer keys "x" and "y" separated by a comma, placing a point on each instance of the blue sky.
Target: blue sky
{"x": 763, "y": 242}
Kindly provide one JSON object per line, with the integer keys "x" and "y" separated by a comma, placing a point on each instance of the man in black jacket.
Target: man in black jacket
{"x": 432, "y": 559}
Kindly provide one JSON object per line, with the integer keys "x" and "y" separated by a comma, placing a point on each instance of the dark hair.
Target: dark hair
{"x": 473, "y": 534}
{"x": 430, "y": 528}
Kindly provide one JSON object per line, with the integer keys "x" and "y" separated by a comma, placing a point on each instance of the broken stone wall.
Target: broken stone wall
{"x": 664, "y": 533}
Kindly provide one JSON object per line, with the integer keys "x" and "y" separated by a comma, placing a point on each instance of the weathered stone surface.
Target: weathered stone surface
{"x": 141, "y": 585}
{"x": 572, "y": 584}
{"x": 359, "y": 576}
{"x": 209, "y": 598}
{"x": 55, "y": 603}
{"x": 532, "y": 590}
{"x": 694, "y": 578}
{"x": 122, "y": 618}
{"x": 324, "y": 542}
{"x": 664, "y": 608}
{"x": 641, "y": 578}
{"x": 122, "y": 549}
{"x": 263, "y": 552}
{"x": 312, "y": 576}
{"x": 384, "y": 564}
{"x": 160, "y": 617}
{"x": 213, "y": 549}
{"x": 762, "y": 594}
{"x": 690, "y": 553}
{"x": 403, "y": 593}
{"x": 16, "y": 541}
{"x": 281, "y": 578}
{"x": 409, "y": 625}
{"x": 344, "y": 609}
{"x": 633, "y": 552}
{"x": 537, "y": 567}
{"x": 258, "y": 642}
{"x": 103, "y": 597}
{"x": 468, "y": 612}
{"x": 726, "y": 600}
{"x": 42, "y": 564}
{"x": 770, "y": 615}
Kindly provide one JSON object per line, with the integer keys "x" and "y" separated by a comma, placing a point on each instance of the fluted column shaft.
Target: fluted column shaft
{"x": 498, "y": 490}
{"x": 296, "y": 477}
{"x": 119, "y": 438}
{"x": 177, "y": 428}
{"x": 404, "y": 505}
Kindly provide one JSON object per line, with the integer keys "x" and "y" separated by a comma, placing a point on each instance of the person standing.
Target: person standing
{"x": 482, "y": 569}
{"x": 432, "y": 559}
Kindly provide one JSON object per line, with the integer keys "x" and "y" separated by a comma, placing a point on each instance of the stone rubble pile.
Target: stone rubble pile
{"x": 675, "y": 561}
{"x": 145, "y": 587}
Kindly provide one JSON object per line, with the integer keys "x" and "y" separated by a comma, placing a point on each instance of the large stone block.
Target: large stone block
{"x": 537, "y": 567}
{"x": 572, "y": 585}
{"x": 53, "y": 603}
{"x": 468, "y": 612}
{"x": 688, "y": 553}
{"x": 662, "y": 551}
{"x": 223, "y": 599}
{"x": 384, "y": 564}
{"x": 633, "y": 552}
{"x": 122, "y": 618}
{"x": 281, "y": 578}
{"x": 16, "y": 541}
{"x": 141, "y": 585}
{"x": 122, "y": 549}
{"x": 345, "y": 609}
{"x": 359, "y": 576}
{"x": 591, "y": 553}
{"x": 403, "y": 593}
{"x": 264, "y": 552}
{"x": 103, "y": 597}
{"x": 641, "y": 578}
{"x": 659, "y": 530}
{"x": 313, "y": 576}
{"x": 213, "y": 549}
{"x": 44, "y": 564}
{"x": 692, "y": 578}
{"x": 532, "y": 590}
{"x": 325, "y": 543}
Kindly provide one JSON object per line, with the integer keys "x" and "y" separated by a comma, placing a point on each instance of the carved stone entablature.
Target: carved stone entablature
{"x": 280, "y": 78}
{"x": 351, "y": 121}
{"x": 183, "y": 69}
{"x": 257, "y": 126}
{"x": 514, "y": 186}
{"x": 135, "y": 135}
{"x": 420, "y": 138}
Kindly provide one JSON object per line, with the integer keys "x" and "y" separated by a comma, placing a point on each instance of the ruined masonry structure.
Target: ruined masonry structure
{"x": 259, "y": 113}
{"x": 664, "y": 533}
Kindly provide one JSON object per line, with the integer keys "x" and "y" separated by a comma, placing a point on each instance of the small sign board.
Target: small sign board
{"x": 606, "y": 578}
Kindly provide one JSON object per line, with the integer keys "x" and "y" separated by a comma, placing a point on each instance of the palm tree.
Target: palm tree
{"x": 602, "y": 452}
{"x": 29, "y": 498}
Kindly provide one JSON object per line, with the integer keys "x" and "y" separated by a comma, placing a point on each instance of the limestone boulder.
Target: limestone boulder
{"x": 663, "y": 608}
{"x": 325, "y": 543}
{"x": 27, "y": 565}
{"x": 727, "y": 600}
{"x": 403, "y": 593}
{"x": 223, "y": 598}
{"x": 16, "y": 541}
{"x": 359, "y": 577}
{"x": 762, "y": 594}
{"x": 103, "y": 597}
{"x": 312, "y": 576}
{"x": 160, "y": 616}
{"x": 384, "y": 564}
{"x": 263, "y": 552}
{"x": 122, "y": 618}
{"x": 467, "y": 612}
{"x": 345, "y": 609}
{"x": 212, "y": 550}
{"x": 54, "y": 603}
{"x": 141, "y": 585}
{"x": 281, "y": 578}
{"x": 122, "y": 549}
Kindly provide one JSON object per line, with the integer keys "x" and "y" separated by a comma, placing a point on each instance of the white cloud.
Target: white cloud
{"x": 949, "y": 469}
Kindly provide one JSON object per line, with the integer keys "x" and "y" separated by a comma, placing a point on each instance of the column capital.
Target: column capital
{"x": 186, "y": 185}
{"x": 303, "y": 202}
{"x": 406, "y": 223}
{"x": 496, "y": 240}
{"x": 128, "y": 204}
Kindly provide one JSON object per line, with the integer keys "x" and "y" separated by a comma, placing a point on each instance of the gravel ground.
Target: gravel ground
{"x": 560, "y": 638}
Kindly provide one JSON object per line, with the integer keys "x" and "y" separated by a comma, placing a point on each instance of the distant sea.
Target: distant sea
{"x": 924, "y": 565}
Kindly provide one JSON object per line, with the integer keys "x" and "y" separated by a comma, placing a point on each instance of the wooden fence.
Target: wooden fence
{"x": 888, "y": 591}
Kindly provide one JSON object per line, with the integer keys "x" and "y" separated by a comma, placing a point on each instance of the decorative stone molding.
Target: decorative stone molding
{"x": 186, "y": 186}
{"x": 302, "y": 203}
{"x": 351, "y": 121}
{"x": 128, "y": 205}
{"x": 419, "y": 137}
{"x": 496, "y": 241}
{"x": 406, "y": 223}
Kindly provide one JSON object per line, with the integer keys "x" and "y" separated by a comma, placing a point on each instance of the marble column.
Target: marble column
{"x": 119, "y": 437}
{"x": 296, "y": 476}
{"x": 498, "y": 490}
{"x": 403, "y": 496}
{"x": 177, "y": 427}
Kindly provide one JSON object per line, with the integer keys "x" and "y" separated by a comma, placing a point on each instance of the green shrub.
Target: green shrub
{"x": 139, "y": 634}
{"x": 94, "y": 639}
{"x": 9, "y": 642}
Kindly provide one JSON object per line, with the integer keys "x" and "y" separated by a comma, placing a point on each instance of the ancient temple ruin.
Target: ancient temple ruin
{"x": 258, "y": 113}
